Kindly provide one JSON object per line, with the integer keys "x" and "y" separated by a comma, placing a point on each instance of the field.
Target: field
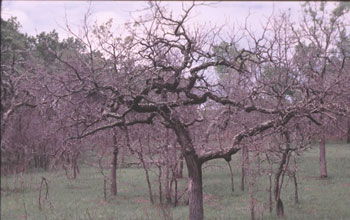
{"x": 83, "y": 198}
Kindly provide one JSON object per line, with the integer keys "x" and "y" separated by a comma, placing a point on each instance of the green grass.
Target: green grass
{"x": 83, "y": 198}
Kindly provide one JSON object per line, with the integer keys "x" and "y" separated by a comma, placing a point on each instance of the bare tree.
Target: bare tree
{"x": 160, "y": 73}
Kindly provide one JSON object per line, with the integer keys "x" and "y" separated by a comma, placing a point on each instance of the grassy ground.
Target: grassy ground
{"x": 83, "y": 198}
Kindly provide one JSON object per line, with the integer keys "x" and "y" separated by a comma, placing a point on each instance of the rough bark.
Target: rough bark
{"x": 194, "y": 167}
{"x": 195, "y": 187}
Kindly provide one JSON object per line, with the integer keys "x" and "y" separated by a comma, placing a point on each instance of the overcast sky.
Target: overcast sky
{"x": 38, "y": 16}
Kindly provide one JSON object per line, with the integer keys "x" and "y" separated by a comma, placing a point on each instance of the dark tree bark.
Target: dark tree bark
{"x": 194, "y": 167}
{"x": 195, "y": 187}
{"x": 114, "y": 171}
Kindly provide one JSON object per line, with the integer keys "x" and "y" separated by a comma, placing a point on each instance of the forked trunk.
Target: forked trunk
{"x": 323, "y": 162}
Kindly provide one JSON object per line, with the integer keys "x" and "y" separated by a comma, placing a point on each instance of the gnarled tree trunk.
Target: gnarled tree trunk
{"x": 195, "y": 187}
{"x": 194, "y": 167}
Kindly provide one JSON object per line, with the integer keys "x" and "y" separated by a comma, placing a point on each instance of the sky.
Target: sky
{"x": 38, "y": 16}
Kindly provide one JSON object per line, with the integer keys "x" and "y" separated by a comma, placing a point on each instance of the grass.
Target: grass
{"x": 83, "y": 198}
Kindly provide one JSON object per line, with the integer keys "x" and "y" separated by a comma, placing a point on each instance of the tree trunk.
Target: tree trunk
{"x": 283, "y": 164}
{"x": 296, "y": 195}
{"x": 147, "y": 177}
{"x": 270, "y": 192}
{"x": 195, "y": 187}
{"x": 250, "y": 175}
{"x": 114, "y": 171}
{"x": 167, "y": 176}
{"x": 114, "y": 164}
{"x": 105, "y": 188}
{"x": 175, "y": 193}
{"x": 243, "y": 158}
{"x": 194, "y": 167}
{"x": 323, "y": 163}
{"x": 231, "y": 172}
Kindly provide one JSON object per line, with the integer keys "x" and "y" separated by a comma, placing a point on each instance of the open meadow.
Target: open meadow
{"x": 83, "y": 198}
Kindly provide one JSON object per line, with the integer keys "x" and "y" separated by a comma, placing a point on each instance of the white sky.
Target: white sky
{"x": 38, "y": 16}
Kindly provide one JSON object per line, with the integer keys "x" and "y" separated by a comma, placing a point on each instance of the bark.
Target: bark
{"x": 280, "y": 174}
{"x": 296, "y": 196}
{"x": 105, "y": 188}
{"x": 194, "y": 167}
{"x": 114, "y": 171}
{"x": 280, "y": 208}
{"x": 323, "y": 162}
{"x": 195, "y": 187}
